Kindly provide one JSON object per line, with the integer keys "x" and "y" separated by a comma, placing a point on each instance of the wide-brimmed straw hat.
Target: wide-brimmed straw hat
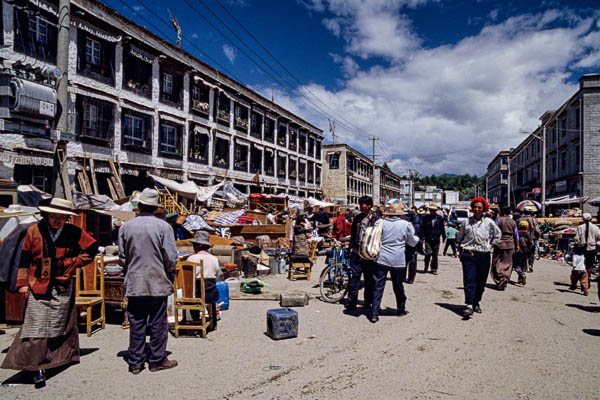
{"x": 59, "y": 206}
{"x": 201, "y": 238}
{"x": 150, "y": 197}
{"x": 421, "y": 211}
{"x": 433, "y": 206}
{"x": 395, "y": 209}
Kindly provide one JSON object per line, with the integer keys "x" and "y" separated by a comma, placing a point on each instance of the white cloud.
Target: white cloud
{"x": 450, "y": 109}
{"x": 195, "y": 35}
{"x": 229, "y": 53}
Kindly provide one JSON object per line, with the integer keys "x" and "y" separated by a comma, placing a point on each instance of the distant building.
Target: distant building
{"x": 497, "y": 179}
{"x": 572, "y": 153}
{"x": 347, "y": 174}
{"x": 389, "y": 185}
{"x": 451, "y": 197}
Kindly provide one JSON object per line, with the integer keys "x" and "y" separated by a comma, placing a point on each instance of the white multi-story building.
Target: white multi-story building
{"x": 135, "y": 97}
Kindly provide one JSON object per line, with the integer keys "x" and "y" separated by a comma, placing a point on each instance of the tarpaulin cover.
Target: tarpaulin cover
{"x": 565, "y": 200}
{"x": 229, "y": 217}
{"x": 296, "y": 202}
{"x": 195, "y": 222}
{"x": 314, "y": 202}
{"x": 188, "y": 189}
{"x": 83, "y": 201}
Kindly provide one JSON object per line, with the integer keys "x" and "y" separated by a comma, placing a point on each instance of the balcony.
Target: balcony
{"x": 140, "y": 89}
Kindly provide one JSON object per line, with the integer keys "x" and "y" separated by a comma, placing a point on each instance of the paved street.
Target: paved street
{"x": 536, "y": 342}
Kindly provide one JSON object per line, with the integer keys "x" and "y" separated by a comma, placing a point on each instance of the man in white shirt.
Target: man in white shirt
{"x": 210, "y": 263}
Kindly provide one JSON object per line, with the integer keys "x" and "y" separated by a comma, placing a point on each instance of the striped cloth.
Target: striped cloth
{"x": 46, "y": 316}
{"x": 229, "y": 217}
{"x": 195, "y": 222}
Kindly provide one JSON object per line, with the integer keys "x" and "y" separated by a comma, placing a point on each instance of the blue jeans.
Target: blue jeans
{"x": 354, "y": 284}
{"x": 476, "y": 267}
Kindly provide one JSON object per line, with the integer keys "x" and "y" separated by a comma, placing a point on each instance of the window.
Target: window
{"x": 281, "y": 135}
{"x": 563, "y": 127}
{"x": 293, "y": 137}
{"x": 577, "y": 157}
{"x": 311, "y": 146}
{"x": 198, "y": 145}
{"x": 92, "y": 51}
{"x": 292, "y": 169}
{"x": 553, "y": 164}
{"x": 167, "y": 83}
{"x": 334, "y": 161}
{"x": 269, "y": 130}
{"x": 95, "y": 118}
{"x": 256, "y": 125}
{"x": 554, "y": 134}
{"x": 281, "y": 166}
{"x": 269, "y": 162}
{"x": 170, "y": 140}
{"x": 221, "y": 153}
{"x": 577, "y": 119}
{"x": 255, "y": 160}
{"x": 222, "y": 109}
{"x": 200, "y": 99}
{"x": 240, "y": 157}
{"x": 318, "y": 150}
{"x": 134, "y": 130}
{"x": 38, "y": 30}
{"x": 563, "y": 161}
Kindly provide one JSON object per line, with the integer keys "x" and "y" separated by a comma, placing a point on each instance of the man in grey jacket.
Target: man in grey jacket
{"x": 396, "y": 235}
{"x": 149, "y": 256}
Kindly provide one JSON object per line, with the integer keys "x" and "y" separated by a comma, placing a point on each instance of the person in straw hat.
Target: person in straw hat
{"x": 396, "y": 235}
{"x": 211, "y": 269}
{"x": 432, "y": 228}
{"x": 149, "y": 256}
{"x": 52, "y": 251}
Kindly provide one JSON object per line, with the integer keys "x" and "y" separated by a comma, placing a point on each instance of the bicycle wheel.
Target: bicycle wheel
{"x": 334, "y": 288}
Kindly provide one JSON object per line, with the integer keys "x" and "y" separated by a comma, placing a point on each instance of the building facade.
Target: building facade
{"x": 497, "y": 179}
{"x": 347, "y": 174}
{"x": 151, "y": 105}
{"x": 572, "y": 138}
{"x": 389, "y": 185}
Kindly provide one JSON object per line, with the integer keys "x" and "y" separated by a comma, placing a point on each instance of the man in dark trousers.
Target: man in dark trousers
{"x": 358, "y": 265}
{"x": 534, "y": 234}
{"x": 432, "y": 228}
{"x": 149, "y": 256}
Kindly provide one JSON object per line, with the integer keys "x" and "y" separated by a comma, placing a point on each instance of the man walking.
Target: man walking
{"x": 533, "y": 235}
{"x": 587, "y": 236}
{"x": 502, "y": 257}
{"x": 149, "y": 256}
{"x": 358, "y": 265}
{"x": 432, "y": 228}
{"x": 451, "y": 232}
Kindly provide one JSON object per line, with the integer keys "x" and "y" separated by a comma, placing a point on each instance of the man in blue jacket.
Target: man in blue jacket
{"x": 432, "y": 228}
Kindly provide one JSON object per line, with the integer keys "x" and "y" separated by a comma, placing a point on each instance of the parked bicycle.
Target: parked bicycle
{"x": 335, "y": 278}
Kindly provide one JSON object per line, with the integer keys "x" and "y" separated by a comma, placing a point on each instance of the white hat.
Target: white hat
{"x": 149, "y": 197}
{"x": 587, "y": 216}
{"x": 59, "y": 206}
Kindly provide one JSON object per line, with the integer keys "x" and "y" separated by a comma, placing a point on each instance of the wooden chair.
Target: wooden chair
{"x": 301, "y": 266}
{"x": 186, "y": 281}
{"x": 91, "y": 295}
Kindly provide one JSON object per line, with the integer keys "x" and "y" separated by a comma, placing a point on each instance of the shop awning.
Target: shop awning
{"x": 565, "y": 200}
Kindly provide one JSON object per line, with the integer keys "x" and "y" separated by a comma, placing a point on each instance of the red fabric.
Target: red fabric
{"x": 341, "y": 227}
{"x": 481, "y": 200}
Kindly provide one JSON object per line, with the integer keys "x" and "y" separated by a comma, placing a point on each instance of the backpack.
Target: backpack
{"x": 370, "y": 241}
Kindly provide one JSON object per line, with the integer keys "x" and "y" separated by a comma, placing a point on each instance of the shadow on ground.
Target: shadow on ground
{"x": 593, "y": 309}
{"x": 592, "y": 332}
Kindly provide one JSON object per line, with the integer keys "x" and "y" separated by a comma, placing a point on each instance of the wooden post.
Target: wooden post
{"x": 62, "y": 159}
{"x": 118, "y": 185}
{"x": 113, "y": 193}
{"x": 93, "y": 175}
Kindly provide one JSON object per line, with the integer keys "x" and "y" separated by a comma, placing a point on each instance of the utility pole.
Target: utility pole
{"x": 373, "y": 138}
{"x": 509, "y": 178}
{"x": 60, "y": 187}
{"x": 332, "y": 129}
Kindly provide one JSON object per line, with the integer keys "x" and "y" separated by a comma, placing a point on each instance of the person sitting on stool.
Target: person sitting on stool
{"x": 211, "y": 269}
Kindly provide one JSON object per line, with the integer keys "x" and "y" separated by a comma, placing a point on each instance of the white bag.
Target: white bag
{"x": 578, "y": 262}
{"x": 370, "y": 241}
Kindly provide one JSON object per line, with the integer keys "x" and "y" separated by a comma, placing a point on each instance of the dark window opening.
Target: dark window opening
{"x": 293, "y": 138}
{"x": 281, "y": 134}
{"x": 94, "y": 119}
{"x": 269, "y": 130}
{"x": 171, "y": 87}
{"x": 311, "y": 172}
{"x": 222, "y": 109}
{"x": 240, "y": 157}
{"x": 200, "y": 99}
{"x": 563, "y": 127}
{"x": 241, "y": 117}
{"x": 292, "y": 169}
{"x": 318, "y": 150}
{"x": 269, "y": 162}
{"x": 577, "y": 158}
{"x": 553, "y": 164}
{"x": 350, "y": 163}
{"x": 318, "y": 175}
{"x": 255, "y": 160}
{"x": 137, "y": 73}
{"x": 38, "y": 176}
{"x": 221, "y": 153}
{"x": 334, "y": 161}
{"x": 35, "y": 35}
{"x": 136, "y": 131}
{"x": 302, "y": 172}
{"x": 577, "y": 119}
{"x": 170, "y": 140}
{"x": 198, "y": 146}
{"x": 311, "y": 146}
{"x": 256, "y": 125}
{"x": 95, "y": 58}
{"x": 554, "y": 134}
{"x": 281, "y": 166}
{"x": 563, "y": 160}
{"x": 302, "y": 144}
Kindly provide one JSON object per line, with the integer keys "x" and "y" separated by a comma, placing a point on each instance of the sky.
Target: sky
{"x": 443, "y": 84}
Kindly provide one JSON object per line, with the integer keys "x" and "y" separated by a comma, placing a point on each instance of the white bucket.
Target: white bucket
{"x": 234, "y": 287}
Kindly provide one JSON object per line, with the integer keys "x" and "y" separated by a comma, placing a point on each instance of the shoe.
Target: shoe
{"x": 572, "y": 287}
{"x": 135, "y": 370}
{"x": 39, "y": 380}
{"x": 468, "y": 312}
{"x": 374, "y": 318}
{"x": 401, "y": 313}
{"x": 477, "y": 309}
{"x": 166, "y": 365}
{"x": 434, "y": 272}
{"x": 524, "y": 280}
{"x": 350, "y": 307}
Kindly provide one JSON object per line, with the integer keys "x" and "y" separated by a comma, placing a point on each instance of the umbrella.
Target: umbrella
{"x": 595, "y": 202}
{"x": 396, "y": 201}
{"x": 529, "y": 203}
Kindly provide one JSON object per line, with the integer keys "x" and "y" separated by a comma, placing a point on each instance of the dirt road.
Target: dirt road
{"x": 541, "y": 341}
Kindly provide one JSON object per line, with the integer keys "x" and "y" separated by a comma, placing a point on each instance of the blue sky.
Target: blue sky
{"x": 444, "y": 84}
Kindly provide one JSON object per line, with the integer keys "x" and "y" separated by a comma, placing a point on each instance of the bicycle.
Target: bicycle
{"x": 335, "y": 278}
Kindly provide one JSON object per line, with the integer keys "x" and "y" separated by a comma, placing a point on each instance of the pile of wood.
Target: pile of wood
{"x": 115, "y": 185}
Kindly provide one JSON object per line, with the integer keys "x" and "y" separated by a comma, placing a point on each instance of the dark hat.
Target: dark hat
{"x": 202, "y": 238}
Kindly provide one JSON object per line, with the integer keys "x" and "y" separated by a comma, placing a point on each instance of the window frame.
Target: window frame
{"x": 93, "y": 51}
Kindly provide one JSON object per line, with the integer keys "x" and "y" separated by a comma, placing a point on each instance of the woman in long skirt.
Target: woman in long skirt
{"x": 52, "y": 251}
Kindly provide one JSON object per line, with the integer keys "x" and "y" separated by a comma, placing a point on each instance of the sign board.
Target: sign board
{"x": 46, "y": 108}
